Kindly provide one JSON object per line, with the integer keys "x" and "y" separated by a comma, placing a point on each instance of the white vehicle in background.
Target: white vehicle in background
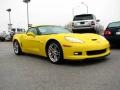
{"x": 85, "y": 23}
{"x": 7, "y": 36}
{"x": 17, "y": 30}
{"x": 3, "y": 35}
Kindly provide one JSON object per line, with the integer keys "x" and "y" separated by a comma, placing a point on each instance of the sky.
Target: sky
{"x": 56, "y": 12}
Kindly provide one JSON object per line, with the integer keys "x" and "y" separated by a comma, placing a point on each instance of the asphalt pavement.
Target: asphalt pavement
{"x": 30, "y": 72}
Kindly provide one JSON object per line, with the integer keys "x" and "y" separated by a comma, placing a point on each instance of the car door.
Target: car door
{"x": 31, "y": 42}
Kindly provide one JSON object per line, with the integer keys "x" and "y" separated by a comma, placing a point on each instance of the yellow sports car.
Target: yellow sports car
{"x": 58, "y": 43}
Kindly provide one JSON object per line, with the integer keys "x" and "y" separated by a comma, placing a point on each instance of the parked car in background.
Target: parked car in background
{"x": 7, "y": 36}
{"x": 112, "y": 32}
{"x": 2, "y": 38}
{"x": 16, "y": 31}
{"x": 85, "y": 23}
{"x": 3, "y": 35}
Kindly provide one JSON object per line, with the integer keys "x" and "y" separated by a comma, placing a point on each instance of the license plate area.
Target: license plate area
{"x": 117, "y": 33}
{"x": 82, "y": 22}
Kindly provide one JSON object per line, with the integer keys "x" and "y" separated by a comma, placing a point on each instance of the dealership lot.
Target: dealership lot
{"x": 29, "y": 72}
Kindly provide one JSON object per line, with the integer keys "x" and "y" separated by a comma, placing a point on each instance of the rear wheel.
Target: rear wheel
{"x": 54, "y": 52}
{"x": 17, "y": 48}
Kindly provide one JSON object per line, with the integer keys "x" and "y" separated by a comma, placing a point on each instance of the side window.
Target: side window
{"x": 33, "y": 30}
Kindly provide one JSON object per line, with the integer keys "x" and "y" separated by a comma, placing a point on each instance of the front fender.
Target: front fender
{"x": 18, "y": 37}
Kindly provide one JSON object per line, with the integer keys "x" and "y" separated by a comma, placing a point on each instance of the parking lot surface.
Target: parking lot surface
{"x": 29, "y": 72}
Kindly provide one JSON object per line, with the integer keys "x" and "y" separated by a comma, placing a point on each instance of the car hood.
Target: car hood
{"x": 84, "y": 36}
{"x": 88, "y": 38}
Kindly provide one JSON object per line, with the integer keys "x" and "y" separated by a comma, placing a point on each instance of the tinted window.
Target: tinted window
{"x": 114, "y": 24}
{"x": 33, "y": 30}
{"x": 52, "y": 30}
{"x": 83, "y": 17}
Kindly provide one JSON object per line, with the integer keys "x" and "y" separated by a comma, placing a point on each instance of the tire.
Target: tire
{"x": 17, "y": 48}
{"x": 73, "y": 30}
{"x": 2, "y": 39}
{"x": 54, "y": 52}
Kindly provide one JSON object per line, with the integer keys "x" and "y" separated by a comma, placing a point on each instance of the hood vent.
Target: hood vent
{"x": 93, "y": 39}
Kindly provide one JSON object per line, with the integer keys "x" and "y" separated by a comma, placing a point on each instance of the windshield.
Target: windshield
{"x": 52, "y": 30}
{"x": 114, "y": 24}
{"x": 83, "y": 17}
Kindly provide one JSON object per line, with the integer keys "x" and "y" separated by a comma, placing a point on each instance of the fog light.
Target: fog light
{"x": 77, "y": 53}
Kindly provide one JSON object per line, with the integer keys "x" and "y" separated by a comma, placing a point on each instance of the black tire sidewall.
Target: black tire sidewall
{"x": 19, "y": 48}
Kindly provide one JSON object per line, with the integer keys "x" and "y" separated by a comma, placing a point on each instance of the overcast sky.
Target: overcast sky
{"x": 58, "y": 12}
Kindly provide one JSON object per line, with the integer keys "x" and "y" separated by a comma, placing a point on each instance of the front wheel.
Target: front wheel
{"x": 16, "y": 47}
{"x": 54, "y": 52}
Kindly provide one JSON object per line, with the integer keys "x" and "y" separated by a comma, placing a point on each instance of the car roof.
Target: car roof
{"x": 83, "y": 15}
{"x": 114, "y": 22}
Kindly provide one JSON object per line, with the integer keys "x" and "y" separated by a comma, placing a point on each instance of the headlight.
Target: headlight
{"x": 75, "y": 40}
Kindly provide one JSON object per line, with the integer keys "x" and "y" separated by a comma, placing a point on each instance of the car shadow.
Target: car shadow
{"x": 36, "y": 56}
{"x": 85, "y": 62}
{"x": 115, "y": 46}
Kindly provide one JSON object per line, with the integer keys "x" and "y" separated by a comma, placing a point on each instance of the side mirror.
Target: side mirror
{"x": 97, "y": 20}
{"x": 31, "y": 34}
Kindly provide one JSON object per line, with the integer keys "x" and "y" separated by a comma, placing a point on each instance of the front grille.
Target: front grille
{"x": 95, "y": 52}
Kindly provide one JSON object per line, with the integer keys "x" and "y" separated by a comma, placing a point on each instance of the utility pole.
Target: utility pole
{"x": 9, "y": 24}
{"x": 85, "y": 6}
{"x": 27, "y": 1}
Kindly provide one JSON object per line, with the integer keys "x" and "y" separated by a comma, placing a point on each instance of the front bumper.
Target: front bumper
{"x": 95, "y": 51}
{"x": 85, "y": 28}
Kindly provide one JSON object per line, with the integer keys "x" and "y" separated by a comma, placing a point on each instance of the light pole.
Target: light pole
{"x": 27, "y": 1}
{"x": 9, "y": 25}
{"x": 85, "y": 5}
{"x": 73, "y": 10}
